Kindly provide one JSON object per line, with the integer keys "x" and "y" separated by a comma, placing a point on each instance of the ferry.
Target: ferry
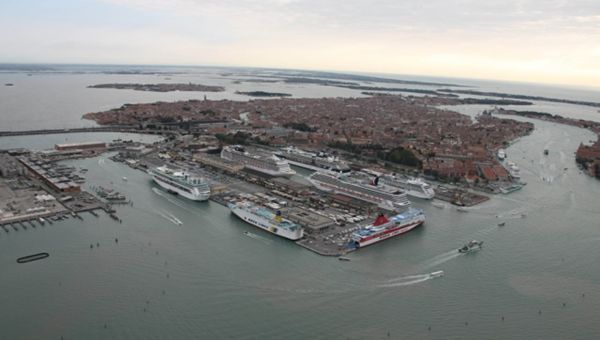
{"x": 384, "y": 228}
{"x": 361, "y": 186}
{"x": 181, "y": 183}
{"x": 267, "y": 220}
{"x": 256, "y": 160}
{"x": 318, "y": 161}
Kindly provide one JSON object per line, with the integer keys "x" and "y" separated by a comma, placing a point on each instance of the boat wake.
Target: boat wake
{"x": 407, "y": 281}
{"x": 258, "y": 237}
{"x": 512, "y": 214}
{"x": 171, "y": 199}
{"x": 440, "y": 259}
{"x": 411, "y": 279}
{"x": 170, "y": 217}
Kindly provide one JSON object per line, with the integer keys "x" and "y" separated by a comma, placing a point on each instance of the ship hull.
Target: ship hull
{"x": 388, "y": 233}
{"x": 272, "y": 173}
{"x": 194, "y": 195}
{"x": 312, "y": 167}
{"x": 266, "y": 225}
{"x": 421, "y": 195}
{"x": 383, "y": 204}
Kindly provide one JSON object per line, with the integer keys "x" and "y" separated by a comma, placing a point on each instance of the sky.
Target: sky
{"x": 544, "y": 41}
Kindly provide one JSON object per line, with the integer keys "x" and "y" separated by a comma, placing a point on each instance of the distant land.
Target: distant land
{"x": 521, "y": 96}
{"x": 160, "y": 87}
{"x": 263, "y": 94}
{"x": 455, "y": 100}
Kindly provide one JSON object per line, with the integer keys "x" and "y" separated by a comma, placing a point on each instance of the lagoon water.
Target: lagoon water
{"x": 206, "y": 279}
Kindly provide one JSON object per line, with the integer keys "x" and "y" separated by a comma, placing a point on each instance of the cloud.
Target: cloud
{"x": 550, "y": 41}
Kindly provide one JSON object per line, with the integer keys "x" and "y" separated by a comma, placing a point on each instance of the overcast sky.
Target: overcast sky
{"x": 548, "y": 41}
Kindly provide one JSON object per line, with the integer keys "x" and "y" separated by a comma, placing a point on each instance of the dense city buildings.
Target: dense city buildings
{"x": 405, "y": 130}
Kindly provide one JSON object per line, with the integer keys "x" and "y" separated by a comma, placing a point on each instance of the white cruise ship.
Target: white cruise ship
{"x": 318, "y": 161}
{"x": 266, "y": 220}
{"x": 263, "y": 162}
{"x": 361, "y": 186}
{"x": 181, "y": 183}
{"x": 414, "y": 187}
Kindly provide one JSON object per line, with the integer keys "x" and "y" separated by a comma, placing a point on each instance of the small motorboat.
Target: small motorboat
{"x": 461, "y": 209}
{"x": 473, "y": 245}
{"x": 125, "y": 179}
{"x": 501, "y": 224}
{"x": 343, "y": 258}
{"x": 439, "y": 273}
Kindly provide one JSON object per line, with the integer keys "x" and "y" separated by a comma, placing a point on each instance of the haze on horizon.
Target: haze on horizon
{"x": 552, "y": 41}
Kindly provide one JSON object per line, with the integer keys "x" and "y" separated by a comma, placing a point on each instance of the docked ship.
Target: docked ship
{"x": 514, "y": 170}
{"x": 414, "y": 187}
{"x": 501, "y": 154}
{"x": 361, "y": 186}
{"x": 267, "y": 220}
{"x": 258, "y": 161}
{"x": 384, "y": 228}
{"x": 319, "y": 161}
{"x": 181, "y": 183}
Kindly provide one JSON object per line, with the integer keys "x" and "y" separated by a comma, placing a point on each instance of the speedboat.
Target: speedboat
{"x": 343, "y": 258}
{"x": 439, "y": 273}
{"x": 471, "y": 246}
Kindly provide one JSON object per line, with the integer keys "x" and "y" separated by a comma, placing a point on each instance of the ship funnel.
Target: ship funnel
{"x": 381, "y": 219}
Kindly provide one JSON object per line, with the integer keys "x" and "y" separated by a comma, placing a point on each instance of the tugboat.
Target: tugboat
{"x": 472, "y": 246}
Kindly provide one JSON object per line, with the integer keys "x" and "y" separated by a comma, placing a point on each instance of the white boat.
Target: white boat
{"x": 514, "y": 170}
{"x": 439, "y": 205}
{"x": 258, "y": 160}
{"x": 438, "y": 273}
{"x": 359, "y": 185}
{"x": 267, "y": 220}
{"x": 414, "y": 187}
{"x": 125, "y": 179}
{"x": 511, "y": 188}
{"x": 471, "y": 246}
{"x": 181, "y": 183}
{"x": 501, "y": 154}
{"x": 318, "y": 161}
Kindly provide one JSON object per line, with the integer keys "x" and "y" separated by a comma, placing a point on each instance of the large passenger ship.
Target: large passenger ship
{"x": 258, "y": 161}
{"x": 384, "y": 228}
{"x": 414, "y": 187}
{"x": 267, "y": 220}
{"x": 181, "y": 183}
{"x": 319, "y": 161}
{"x": 361, "y": 186}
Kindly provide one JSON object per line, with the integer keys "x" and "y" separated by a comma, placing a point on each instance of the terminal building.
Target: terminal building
{"x": 311, "y": 222}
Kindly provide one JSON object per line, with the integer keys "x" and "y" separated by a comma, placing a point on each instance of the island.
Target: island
{"x": 165, "y": 87}
{"x": 521, "y": 96}
{"x": 402, "y": 130}
{"x": 263, "y": 94}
